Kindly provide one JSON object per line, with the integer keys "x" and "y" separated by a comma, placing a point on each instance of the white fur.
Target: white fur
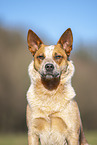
{"x": 49, "y": 50}
{"x": 46, "y": 103}
{"x": 53, "y": 137}
{"x": 36, "y": 100}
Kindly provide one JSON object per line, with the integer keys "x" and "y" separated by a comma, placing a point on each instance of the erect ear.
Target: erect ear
{"x": 66, "y": 41}
{"x": 34, "y": 42}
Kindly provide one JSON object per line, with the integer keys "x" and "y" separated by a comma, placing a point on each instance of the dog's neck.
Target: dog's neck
{"x": 55, "y": 88}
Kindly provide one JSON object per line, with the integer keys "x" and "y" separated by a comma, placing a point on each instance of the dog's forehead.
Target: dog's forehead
{"x": 49, "y": 50}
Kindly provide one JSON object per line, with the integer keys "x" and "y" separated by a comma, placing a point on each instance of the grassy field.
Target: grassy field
{"x": 91, "y": 137}
{"x": 21, "y": 139}
{"x": 13, "y": 139}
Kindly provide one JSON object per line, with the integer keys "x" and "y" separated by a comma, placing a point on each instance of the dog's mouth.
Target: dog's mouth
{"x": 50, "y": 75}
{"x": 50, "y": 80}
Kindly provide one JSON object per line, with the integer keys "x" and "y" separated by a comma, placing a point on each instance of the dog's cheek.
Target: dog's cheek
{"x": 63, "y": 64}
{"x": 37, "y": 64}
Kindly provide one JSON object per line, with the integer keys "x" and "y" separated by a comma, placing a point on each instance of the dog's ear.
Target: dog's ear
{"x": 34, "y": 42}
{"x": 66, "y": 41}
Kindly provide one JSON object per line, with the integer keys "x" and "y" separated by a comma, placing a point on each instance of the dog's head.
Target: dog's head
{"x": 50, "y": 61}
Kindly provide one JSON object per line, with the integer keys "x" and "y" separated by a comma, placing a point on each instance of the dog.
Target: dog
{"x": 53, "y": 117}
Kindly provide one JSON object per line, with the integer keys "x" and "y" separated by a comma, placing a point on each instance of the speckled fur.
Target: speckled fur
{"x": 55, "y": 104}
{"x": 53, "y": 115}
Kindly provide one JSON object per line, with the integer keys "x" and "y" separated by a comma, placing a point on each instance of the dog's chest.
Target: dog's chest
{"x": 51, "y": 130}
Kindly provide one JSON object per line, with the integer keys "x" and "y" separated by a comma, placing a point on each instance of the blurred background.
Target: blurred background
{"x": 48, "y": 19}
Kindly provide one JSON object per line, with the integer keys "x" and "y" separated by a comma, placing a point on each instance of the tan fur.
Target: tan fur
{"x": 53, "y": 115}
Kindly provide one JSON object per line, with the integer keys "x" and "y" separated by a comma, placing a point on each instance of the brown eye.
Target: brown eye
{"x": 58, "y": 56}
{"x": 41, "y": 57}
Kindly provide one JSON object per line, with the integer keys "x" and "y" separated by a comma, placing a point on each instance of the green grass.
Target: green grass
{"x": 91, "y": 137}
{"x": 13, "y": 139}
{"x": 21, "y": 139}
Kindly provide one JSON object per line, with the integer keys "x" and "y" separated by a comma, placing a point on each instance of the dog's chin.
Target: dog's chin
{"x": 50, "y": 81}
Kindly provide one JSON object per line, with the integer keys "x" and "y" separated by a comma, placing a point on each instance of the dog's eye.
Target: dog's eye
{"x": 41, "y": 57}
{"x": 58, "y": 56}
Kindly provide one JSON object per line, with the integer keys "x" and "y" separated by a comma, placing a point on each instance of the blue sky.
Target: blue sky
{"x": 49, "y": 19}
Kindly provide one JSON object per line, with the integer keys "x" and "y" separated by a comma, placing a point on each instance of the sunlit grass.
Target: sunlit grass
{"x": 21, "y": 139}
{"x": 91, "y": 137}
{"x": 13, "y": 139}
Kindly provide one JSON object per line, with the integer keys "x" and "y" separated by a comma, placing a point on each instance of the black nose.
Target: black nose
{"x": 49, "y": 67}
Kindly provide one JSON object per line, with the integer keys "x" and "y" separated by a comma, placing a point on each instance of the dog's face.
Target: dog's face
{"x": 50, "y": 61}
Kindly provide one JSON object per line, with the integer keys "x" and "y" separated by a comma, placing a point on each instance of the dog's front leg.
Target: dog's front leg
{"x": 33, "y": 139}
{"x": 73, "y": 139}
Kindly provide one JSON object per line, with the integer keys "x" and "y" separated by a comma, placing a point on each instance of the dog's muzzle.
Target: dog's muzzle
{"x": 50, "y": 72}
